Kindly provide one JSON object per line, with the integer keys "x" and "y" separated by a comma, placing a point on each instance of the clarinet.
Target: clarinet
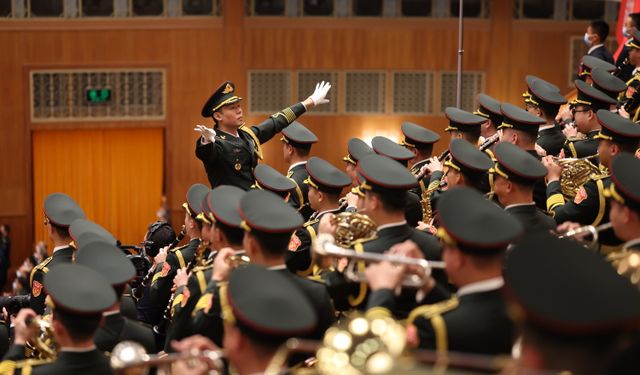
{"x": 489, "y": 142}
{"x": 161, "y": 328}
{"x": 138, "y": 292}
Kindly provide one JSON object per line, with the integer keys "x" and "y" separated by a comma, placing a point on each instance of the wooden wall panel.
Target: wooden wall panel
{"x": 199, "y": 54}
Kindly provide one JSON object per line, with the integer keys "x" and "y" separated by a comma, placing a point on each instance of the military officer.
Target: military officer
{"x": 583, "y": 110}
{"x": 476, "y": 319}
{"x": 260, "y": 310}
{"x": 514, "y": 176}
{"x": 386, "y": 147}
{"x": 110, "y": 262}
{"x": 84, "y": 232}
{"x": 420, "y": 142}
{"x": 463, "y": 124}
{"x": 563, "y": 330}
{"x": 489, "y": 108}
{"x": 179, "y": 257}
{"x": 268, "y": 223}
{"x": 589, "y": 207}
{"x": 386, "y": 185}
{"x": 231, "y": 150}
{"x": 267, "y": 178}
{"x": 325, "y": 184}
{"x": 356, "y": 150}
{"x": 624, "y": 196}
{"x": 60, "y": 210}
{"x": 296, "y": 146}
{"x": 226, "y": 232}
{"x": 608, "y": 84}
{"x": 542, "y": 99}
{"x": 588, "y": 63}
{"x": 521, "y": 128}
{"x": 80, "y": 295}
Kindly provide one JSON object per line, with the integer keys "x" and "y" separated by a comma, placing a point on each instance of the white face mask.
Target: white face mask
{"x": 586, "y": 40}
{"x": 625, "y": 32}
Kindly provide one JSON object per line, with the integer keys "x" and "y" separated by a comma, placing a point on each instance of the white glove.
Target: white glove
{"x": 207, "y": 134}
{"x": 320, "y": 93}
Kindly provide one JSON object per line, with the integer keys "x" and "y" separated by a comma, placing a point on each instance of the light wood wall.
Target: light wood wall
{"x": 200, "y": 53}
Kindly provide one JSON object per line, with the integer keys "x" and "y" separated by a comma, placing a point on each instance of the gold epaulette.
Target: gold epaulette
{"x": 429, "y": 311}
{"x": 207, "y": 266}
{"x": 178, "y": 248}
{"x": 7, "y": 367}
{"x": 42, "y": 266}
{"x": 311, "y": 222}
{"x": 253, "y": 136}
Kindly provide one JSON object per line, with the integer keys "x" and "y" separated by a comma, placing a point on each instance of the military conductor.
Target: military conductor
{"x": 230, "y": 150}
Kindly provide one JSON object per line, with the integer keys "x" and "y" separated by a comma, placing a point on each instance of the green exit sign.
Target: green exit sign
{"x": 98, "y": 95}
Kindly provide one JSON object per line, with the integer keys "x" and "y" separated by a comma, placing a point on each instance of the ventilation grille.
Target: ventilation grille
{"x": 270, "y": 91}
{"x": 63, "y": 95}
{"x": 365, "y": 92}
{"x": 472, "y": 84}
{"x": 413, "y": 92}
{"x": 307, "y": 83}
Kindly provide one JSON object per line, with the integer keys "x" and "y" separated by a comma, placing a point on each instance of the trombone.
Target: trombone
{"x": 324, "y": 245}
{"x": 130, "y": 355}
{"x": 587, "y": 229}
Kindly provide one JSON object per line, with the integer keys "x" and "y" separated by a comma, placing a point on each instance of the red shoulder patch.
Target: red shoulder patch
{"x": 294, "y": 243}
{"x": 166, "y": 267}
{"x": 36, "y": 289}
{"x": 580, "y": 195}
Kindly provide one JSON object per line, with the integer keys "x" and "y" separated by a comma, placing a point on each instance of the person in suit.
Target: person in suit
{"x": 543, "y": 99}
{"x": 296, "y": 146}
{"x": 589, "y": 207}
{"x": 261, "y": 310}
{"x": 5, "y": 253}
{"x": 583, "y": 110}
{"x": 514, "y": 177}
{"x": 60, "y": 210}
{"x": 595, "y": 36}
{"x": 558, "y": 333}
{"x": 476, "y": 319}
{"x": 325, "y": 184}
{"x": 80, "y": 295}
{"x": 230, "y": 150}
{"x": 110, "y": 262}
{"x": 269, "y": 223}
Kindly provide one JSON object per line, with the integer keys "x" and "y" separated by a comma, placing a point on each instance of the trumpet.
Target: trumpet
{"x": 129, "y": 355}
{"x": 587, "y": 229}
{"x": 324, "y": 245}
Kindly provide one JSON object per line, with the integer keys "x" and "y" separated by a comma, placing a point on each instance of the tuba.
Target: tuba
{"x": 575, "y": 173}
{"x": 352, "y": 226}
{"x": 41, "y": 346}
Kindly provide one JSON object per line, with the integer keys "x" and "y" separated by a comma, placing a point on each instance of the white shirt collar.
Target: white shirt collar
{"x": 59, "y": 247}
{"x": 628, "y": 244}
{"x": 295, "y": 165}
{"x": 481, "y": 286}
{"x": 109, "y": 313}
{"x": 78, "y": 350}
{"x": 519, "y": 205}
{"x": 594, "y": 48}
{"x": 397, "y": 224}
{"x": 545, "y": 127}
{"x": 278, "y": 267}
